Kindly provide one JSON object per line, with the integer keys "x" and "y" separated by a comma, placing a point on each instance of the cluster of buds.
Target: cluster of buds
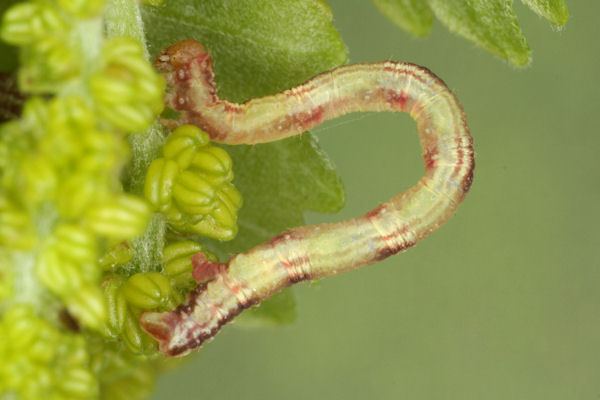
{"x": 57, "y": 158}
{"x": 191, "y": 185}
{"x": 62, "y": 202}
{"x": 34, "y": 351}
{"x": 128, "y": 297}
{"x": 69, "y": 226}
{"x": 49, "y": 35}
{"x": 127, "y": 91}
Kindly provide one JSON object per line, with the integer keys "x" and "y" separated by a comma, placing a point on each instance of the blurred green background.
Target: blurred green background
{"x": 504, "y": 301}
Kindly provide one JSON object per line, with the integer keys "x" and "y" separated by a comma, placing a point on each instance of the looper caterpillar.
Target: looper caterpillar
{"x": 326, "y": 249}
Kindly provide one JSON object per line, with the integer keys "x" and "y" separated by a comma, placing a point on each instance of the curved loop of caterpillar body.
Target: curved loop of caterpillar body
{"x": 320, "y": 250}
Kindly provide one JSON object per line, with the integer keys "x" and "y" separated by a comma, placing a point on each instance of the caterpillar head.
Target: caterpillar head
{"x": 179, "y": 54}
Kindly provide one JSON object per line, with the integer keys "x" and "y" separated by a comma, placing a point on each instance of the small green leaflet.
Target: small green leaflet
{"x": 257, "y": 50}
{"x": 491, "y": 24}
{"x": 414, "y": 16}
{"x": 554, "y": 11}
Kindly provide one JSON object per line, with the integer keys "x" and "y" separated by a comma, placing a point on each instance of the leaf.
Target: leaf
{"x": 490, "y": 24}
{"x": 554, "y": 11}
{"x": 261, "y": 47}
{"x": 258, "y": 47}
{"x": 414, "y": 16}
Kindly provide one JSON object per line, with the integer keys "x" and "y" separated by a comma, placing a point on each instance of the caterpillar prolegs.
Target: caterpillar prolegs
{"x": 315, "y": 251}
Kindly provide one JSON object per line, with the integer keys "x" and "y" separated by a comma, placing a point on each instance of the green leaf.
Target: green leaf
{"x": 258, "y": 47}
{"x": 261, "y": 47}
{"x": 554, "y": 11}
{"x": 414, "y": 16}
{"x": 490, "y": 24}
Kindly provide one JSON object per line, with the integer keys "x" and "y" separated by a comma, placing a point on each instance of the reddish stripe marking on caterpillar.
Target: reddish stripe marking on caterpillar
{"x": 326, "y": 249}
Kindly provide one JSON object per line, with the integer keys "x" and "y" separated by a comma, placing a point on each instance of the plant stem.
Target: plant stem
{"x": 123, "y": 18}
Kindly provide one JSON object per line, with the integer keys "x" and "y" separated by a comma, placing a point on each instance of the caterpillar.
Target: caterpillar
{"x": 321, "y": 250}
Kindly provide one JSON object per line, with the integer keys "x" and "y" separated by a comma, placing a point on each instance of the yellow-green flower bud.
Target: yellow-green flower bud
{"x": 78, "y": 383}
{"x": 114, "y": 83}
{"x": 76, "y": 243}
{"x": 38, "y": 180}
{"x": 35, "y": 116}
{"x": 221, "y": 223}
{"x": 77, "y": 192}
{"x": 147, "y": 290}
{"x": 87, "y": 305}
{"x": 209, "y": 226}
{"x": 158, "y": 186}
{"x": 230, "y": 196}
{"x": 102, "y": 152}
{"x": 48, "y": 64}
{"x": 16, "y": 24}
{"x": 26, "y": 22}
{"x": 123, "y": 217}
{"x": 39, "y": 350}
{"x": 70, "y": 113}
{"x": 16, "y": 230}
{"x": 74, "y": 378}
{"x": 192, "y": 194}
{"x": 177, "y": 261}
{"x": 68, "y": 260}
{"x": 116, "y": 304}
{"x": 67, "y": 122}
{"x": 131, "y": 386}
{"x": 60, "y": 275}
{"x": 213, "y": 164}
{"x": 126, "y": 117}
{"x": 183, "y": 144}
{"x": 20, "y": 325}
{"x": 225, "y": 212}
{"x": 117, "y": 256}
{"x": 136, "y": 340}
{"x": 127, "y": 91}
